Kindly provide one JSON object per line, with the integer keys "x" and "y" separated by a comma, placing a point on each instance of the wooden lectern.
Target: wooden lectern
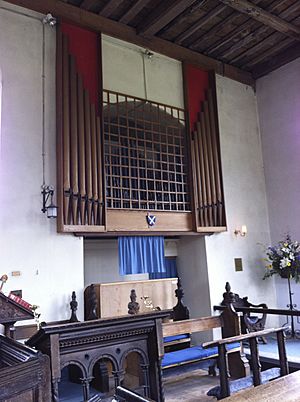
{"x": 10, "y": 313}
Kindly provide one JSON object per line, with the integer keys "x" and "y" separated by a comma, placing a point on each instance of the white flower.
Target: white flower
{"x": 291, "y": 256}
{"x": 285, "y": 250}
{"x": 285, "y": 262}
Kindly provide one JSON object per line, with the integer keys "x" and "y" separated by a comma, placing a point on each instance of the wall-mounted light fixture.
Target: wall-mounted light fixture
{"x": 49, "y": 19}
{"x": 242, "y": 232}
{"x": 51, "y": 208}
{"x": 148, "y": 54}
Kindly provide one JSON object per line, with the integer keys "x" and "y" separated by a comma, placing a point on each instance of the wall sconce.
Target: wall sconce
{"x": 242, "y": 232}
{"x": 148, "y": 54}
{"x": 51, "y": 208}
{"x": 49, "y": 19}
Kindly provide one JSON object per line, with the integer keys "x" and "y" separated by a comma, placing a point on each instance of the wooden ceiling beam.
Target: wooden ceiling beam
{"x": 271, "y": 51}
{"x": 288, "y": 55}
{"x": 238, "y": 31}
{"x": 109, "y": 7}
{"x": 165, "y": 13}
{"x": 285, "y": 14}
{"x": 199, "y": 23}
{"x": 263, "y": 16}
{"x": 133, "y": 11}
{"x": 97, "y": 23}
{"x": 213, "y": 31}
{"x": 88, "y": 4}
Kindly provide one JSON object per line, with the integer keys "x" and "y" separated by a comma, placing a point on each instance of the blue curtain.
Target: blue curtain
{"x": 141, "y": 254}
{"x": 171, "y": 270}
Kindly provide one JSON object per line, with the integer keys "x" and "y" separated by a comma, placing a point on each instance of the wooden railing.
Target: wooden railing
{"x": 126, "y": 395}
{"x": 258, "y": 377}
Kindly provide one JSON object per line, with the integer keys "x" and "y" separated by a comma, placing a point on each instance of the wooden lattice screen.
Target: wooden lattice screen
{"x": 205, "y": 151}
{"x": 145, "y": 154}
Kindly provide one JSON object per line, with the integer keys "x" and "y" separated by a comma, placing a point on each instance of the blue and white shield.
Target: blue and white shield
{"x": 151, "y": 219}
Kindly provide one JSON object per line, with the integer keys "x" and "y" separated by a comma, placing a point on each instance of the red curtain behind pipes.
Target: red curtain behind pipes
{"x": 83, "y": 44}
{"x": 197, "y": 83}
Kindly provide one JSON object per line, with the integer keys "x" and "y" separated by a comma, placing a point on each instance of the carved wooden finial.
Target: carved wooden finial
{"x": 180, "y": 312}
{"x": 92, "y": 303}
{"x": 228, "y": 296}
{"x": 133, "y": 305}
{"x": 73, "y": 306}
{"x": 3, "y": 279}
{"x": 227, "y": 287}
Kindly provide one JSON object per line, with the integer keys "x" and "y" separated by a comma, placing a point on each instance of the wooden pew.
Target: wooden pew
{"x": 227, "y": 387}
{"x": 285, "y": 389}
{"x": 24, "y": 373}
{"x": 228, "y": 321}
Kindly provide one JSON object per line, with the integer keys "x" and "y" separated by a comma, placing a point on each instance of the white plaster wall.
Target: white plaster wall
{"x": 126, "y": 69}
{"x": 278, "y": 98}
{"x": 192, "y": 269}
{"x": 245, "y": 200}
{"x": 51, "y": 265}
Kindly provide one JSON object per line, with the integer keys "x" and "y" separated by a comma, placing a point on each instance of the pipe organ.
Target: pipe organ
{"x": 129, "y": 165}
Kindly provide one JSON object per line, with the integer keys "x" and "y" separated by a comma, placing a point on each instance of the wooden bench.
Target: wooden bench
{"x": 227, "y": 387}
{"x": 228, "y": 321}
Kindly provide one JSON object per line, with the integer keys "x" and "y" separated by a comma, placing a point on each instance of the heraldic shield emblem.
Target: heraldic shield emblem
{"x": 151, "y": 219}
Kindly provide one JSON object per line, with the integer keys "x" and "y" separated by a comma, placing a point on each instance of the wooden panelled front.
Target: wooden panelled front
{"x": 80, "y": 189}
{"x": 113, "y": 298}
{"x": 124, "y": 221}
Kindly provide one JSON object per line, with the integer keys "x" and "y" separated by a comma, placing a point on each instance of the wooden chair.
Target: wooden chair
{"x": 249, "y": 322}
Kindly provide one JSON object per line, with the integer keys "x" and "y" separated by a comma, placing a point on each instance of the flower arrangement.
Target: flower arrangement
{"x": 284, "y": 260}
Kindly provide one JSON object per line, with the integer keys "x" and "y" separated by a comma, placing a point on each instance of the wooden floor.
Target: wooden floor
{"x": 190, "y": 387}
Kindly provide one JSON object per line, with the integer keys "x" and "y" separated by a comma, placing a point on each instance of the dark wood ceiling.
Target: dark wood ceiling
{"x": 235, "y": 37}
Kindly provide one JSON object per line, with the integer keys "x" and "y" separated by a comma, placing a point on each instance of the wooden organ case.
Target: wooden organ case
{"x": 123, "y": 160}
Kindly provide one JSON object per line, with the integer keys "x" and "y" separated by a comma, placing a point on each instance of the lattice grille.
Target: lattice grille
{"x": 145, "y": 161}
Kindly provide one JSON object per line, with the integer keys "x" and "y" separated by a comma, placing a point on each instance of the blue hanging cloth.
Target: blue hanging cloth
{"x": 141, "y": 254}
{"x": 171, "y": 270}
